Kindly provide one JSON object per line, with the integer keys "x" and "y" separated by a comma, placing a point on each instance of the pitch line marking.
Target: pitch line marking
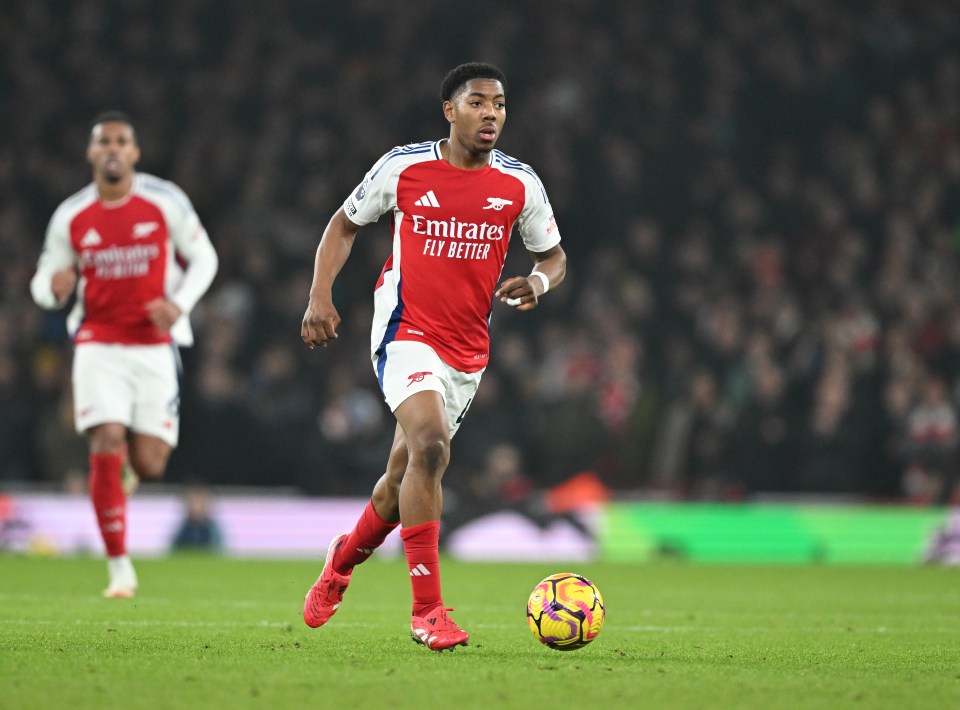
{"x": 363, "y": 625}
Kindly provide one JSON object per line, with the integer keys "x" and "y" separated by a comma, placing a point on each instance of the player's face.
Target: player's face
{"x": 477, "y": 114}
{"x": 113, "y": 151}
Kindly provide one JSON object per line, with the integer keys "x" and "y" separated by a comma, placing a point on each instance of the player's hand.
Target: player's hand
{"x": 163, "y": 313}
{"x": 519, "y": 293}
{"x": 63, "y": 283}
{"x": 319, "y": 325}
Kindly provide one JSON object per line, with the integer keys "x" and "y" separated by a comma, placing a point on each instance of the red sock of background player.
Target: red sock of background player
{"x": 421, "y": 545}
{"x": 109, "y": 502}
{"x": 370, "y": 532}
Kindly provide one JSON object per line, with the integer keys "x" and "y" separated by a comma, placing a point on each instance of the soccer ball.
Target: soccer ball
{"x": 565, "y": 611}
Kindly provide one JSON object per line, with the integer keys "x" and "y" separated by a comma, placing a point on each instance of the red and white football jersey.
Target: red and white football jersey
{"x": 451, "y": 229}
{"x": 128, "y": 253}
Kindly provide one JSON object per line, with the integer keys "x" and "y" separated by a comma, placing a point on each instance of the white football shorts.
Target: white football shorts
{"x": 134, "y": 385}
{"x": 407, "y": 367}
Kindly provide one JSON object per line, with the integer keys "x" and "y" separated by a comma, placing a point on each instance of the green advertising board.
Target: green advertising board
{"x": 767, "y": 532}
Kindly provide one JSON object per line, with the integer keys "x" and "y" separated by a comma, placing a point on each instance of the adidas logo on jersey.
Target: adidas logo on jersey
{"x": 91, "y": 238}
{"x": 428, "y": 200}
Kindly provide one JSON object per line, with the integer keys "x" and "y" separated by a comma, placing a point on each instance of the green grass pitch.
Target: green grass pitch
{"x": 208, "y": 632}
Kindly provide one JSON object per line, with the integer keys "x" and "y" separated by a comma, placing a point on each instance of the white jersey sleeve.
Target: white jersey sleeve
{"x": 373, "y": 197}
{"x": 377, "y": 194}
{"x": 536, "y": 223}
{"x": 57, "y": 255}
{"x": 184, "y": 288}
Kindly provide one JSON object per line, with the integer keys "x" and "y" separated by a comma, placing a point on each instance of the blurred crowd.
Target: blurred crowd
{"x": 760, "y": 200}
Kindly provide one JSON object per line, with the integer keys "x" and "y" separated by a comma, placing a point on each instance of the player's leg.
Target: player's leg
{"x": 103, "y": 397}
{"x": 380, "y": 517}
{"x": 155, "y": 416}
{"x": 382, "y": 513}
{"x": 110, "y": 504}
{"x": 144, "y": 457}
{"x": 148, "y": 455}
{"x": 139, "y": 386}
{"x": 429, "y": 420}
{"x": 425, "y": 424}
{"x": 386, "y": 494}
{"x": 414, "y": 381}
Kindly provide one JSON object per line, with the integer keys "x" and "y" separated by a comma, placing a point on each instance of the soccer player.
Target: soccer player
{"x": 452, "y": 206}
{"x": 119, "y": 244}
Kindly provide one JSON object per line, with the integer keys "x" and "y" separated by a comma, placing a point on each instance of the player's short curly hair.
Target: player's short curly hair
{"x": 112, "y": 117}
{"x": 457, "y": 78}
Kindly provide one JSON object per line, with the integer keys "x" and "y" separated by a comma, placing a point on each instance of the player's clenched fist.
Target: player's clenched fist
{"x": 63, "y": 282}
{"x": 319, "y": 326}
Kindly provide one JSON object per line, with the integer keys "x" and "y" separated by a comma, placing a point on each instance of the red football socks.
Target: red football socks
{"x": 421, "y": 544}
{"x": 370, "y": 532}
{"x": 109, "y": 502}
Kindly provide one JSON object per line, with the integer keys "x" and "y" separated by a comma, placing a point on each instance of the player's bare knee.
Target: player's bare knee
{"x": 106, "y": 438}
{"x": 431, "y": 452}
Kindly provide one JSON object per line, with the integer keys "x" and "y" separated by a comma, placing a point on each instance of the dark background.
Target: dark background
{"x": 760, "y": 202}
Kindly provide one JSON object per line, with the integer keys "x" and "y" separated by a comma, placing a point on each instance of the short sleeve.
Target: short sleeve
{"x": 373, "y": 197}
{"x": 536, "y": 223}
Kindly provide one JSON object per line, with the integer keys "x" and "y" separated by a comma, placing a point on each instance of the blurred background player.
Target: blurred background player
{"x": 119, "y": 244}
{"x": 452, "y": 204}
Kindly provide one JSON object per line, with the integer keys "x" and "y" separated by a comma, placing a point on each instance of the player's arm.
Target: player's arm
{"x": 192, "y": 242}
{"x": 202, "y": 264}
{"x": 524, "y": 292}
{"x": 56, "y": 277}
{"x": 320, "y": 321}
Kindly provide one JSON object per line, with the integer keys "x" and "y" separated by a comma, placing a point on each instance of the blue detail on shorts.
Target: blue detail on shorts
{"x": 174, "y": 405}
{"x": 381, "y": 365}
{"x": 393, "y": 325}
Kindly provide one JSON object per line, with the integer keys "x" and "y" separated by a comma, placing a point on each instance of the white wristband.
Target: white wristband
{"x": 543, "y": 279}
